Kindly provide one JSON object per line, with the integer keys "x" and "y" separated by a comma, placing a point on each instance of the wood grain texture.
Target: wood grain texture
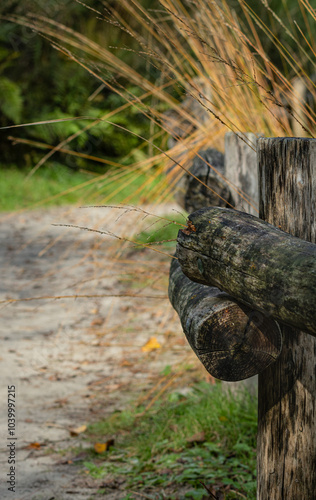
{"x": 232, "y": 341}
{"x": 287, "y": 404}
{"x": 241, "y": 170}
{"x": 255, "y": 262}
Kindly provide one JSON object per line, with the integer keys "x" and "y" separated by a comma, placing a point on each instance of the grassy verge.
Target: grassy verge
{"x": 206, "y": 436}
{"x": 44, "y": 188}
{"x": 55, "y": 184}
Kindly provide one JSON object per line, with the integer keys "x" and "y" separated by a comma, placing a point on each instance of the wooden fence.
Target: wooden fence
{"x": 245, "y": 291}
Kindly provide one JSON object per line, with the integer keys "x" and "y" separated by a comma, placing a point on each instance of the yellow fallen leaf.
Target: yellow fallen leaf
{"x": 102, "y": 447}
{"x": 151, "y": 345}
{"x": 78, "y": 430}
{"x": 223, "y": 419}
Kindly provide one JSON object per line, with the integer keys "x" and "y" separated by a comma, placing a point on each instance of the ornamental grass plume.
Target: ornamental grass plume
{"x": 207, "y": 73}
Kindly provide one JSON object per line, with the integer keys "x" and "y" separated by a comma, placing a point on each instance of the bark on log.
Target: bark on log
{"x": 255, "y": 262}
{"x": 287, "y": 404}
{"x": 232, "y": 341}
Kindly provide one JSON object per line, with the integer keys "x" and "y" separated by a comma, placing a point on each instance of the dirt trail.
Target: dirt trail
{"x": 74, "y": 360}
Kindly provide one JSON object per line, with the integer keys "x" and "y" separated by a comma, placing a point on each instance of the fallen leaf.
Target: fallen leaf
{"x": 33, "y": 446}
{"x": 151, "y": 345}
{"x": 125, "y": 362}
{"x": 199, "y": 437}
{"x": 223, "y": 419}
{"x": 65, "y": 462}
{"x": 97, "y": 322}
{"x": 61, "y": 401}
{"x": 77, "y": 430}
{"x": 102, "y": 447}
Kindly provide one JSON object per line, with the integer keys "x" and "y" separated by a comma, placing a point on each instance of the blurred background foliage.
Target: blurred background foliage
{"x": 39, "y": 83}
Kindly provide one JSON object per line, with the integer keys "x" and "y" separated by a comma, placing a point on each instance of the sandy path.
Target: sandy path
{"x": 73, "y": 361}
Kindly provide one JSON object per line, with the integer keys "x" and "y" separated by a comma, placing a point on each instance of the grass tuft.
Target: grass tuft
{"x": 204, "y": 436}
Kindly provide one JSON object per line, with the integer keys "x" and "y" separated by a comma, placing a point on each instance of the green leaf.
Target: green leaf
{"x": 11, "y": 101}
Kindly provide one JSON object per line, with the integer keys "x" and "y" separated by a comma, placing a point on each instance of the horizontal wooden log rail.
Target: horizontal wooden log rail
{"x": 258, "y": 264}
{"x": 232, "y": 341}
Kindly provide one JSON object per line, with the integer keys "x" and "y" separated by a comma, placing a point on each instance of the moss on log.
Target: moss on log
{"x": 232, "y": 341}
{"x": 255, "y": 262}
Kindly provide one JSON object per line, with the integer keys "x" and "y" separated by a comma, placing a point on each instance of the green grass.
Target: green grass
{"x": 153, "y": 451}
{"x": 163, "y": 232}
{"x": 16, "y": 191}
{"x": 55, "y": 184}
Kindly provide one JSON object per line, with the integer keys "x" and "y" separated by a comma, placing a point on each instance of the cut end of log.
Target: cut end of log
{"x": 232, "y": 341}
{"x": 239, "y": 344}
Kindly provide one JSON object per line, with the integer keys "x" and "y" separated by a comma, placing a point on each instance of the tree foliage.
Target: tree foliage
{"x": 41, "y": 84}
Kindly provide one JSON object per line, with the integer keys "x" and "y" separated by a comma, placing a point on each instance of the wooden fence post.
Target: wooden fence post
{"x": 287, "y": 389}
{"x": 241, "y": 170}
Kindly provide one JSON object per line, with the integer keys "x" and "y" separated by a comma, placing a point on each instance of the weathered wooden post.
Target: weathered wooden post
{"x": 287, "y": 389}
{"x": 272, "y": 269}
{"x": 241, "y": 170}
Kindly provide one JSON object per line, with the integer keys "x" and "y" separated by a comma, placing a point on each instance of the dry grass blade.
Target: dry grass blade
{"x": 46, "y": 122}
{"x": 121, "y": 238}
{"x": 78, "y": 296}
